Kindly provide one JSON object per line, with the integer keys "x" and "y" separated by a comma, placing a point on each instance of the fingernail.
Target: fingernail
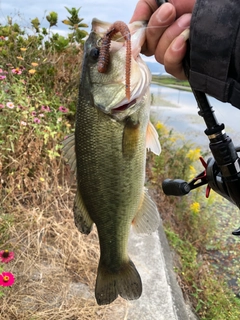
{"x": 180, "y": 41}
{"x": 184, "y": 21}
{"x": 164, "y": 12}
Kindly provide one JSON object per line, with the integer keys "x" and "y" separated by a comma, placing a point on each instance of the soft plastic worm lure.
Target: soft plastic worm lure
{"x": 104, "y": 54}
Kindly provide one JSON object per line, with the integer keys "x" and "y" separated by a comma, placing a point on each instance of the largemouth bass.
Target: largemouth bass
{"x": 108, "y": 153}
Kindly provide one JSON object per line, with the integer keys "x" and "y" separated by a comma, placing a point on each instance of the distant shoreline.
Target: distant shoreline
{"x": 171, "y": 82}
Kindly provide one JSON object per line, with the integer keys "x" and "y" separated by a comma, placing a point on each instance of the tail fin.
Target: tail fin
{"x": 125, "y": 282}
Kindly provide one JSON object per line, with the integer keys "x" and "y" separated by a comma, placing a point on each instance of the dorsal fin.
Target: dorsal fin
{"x": 69, "y": 151}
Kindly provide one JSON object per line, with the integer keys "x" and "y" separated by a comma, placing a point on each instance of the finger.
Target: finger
{"x": 170, "y": 34}
{"x": 157, "y": 24}
{"x": 174, "y": 55}
{"x": 183, "y": 6}
{"x": 144, "y": 9}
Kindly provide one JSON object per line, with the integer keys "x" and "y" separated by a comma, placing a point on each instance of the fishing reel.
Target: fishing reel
{"x": 228, "y": 187}
{"x": 221, "y": 172}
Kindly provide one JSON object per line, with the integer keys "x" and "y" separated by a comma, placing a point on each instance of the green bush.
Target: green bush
{"x": 39, "y": 76}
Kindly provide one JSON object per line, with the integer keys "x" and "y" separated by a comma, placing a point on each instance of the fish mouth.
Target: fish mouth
{"x": 140, "y": 76}
{"x": 138, "y": 89}
{"x": 137, "y": 31}
{"x": 124, "y": 106}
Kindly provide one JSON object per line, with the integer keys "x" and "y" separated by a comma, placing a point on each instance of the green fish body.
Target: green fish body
{"x": 108, "y": 152}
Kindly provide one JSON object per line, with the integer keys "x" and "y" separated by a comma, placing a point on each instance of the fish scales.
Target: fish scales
{"x": 110, "y": 152}
{"x": 109, "y": 181}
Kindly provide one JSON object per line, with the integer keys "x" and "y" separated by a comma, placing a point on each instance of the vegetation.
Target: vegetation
{"x": 171, "y": 82}
{"x": 39, "y": 82}
{"x": 54, "y": 265}
{"x": 192, "y": 227}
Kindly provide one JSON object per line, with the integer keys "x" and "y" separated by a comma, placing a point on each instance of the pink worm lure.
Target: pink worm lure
{"x": 104, "y": 54}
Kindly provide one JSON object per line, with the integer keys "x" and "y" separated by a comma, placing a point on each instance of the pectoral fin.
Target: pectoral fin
{"x": 81, "y": 217}
{"x": 152, "y": 142}
{"x": 130, "y": 137}
{"x": 69, "y": 151}
{"x": 147, "y": 218}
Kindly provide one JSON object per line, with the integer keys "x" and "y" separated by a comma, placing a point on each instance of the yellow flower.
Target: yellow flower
{"x": 20, "y": 58}
{"x": 195, "y": 207}
{"x": 159, "y": 125}
{"x": 193, "y": 154}
{"x": 191, "y": 168}
{"x": 23, "y": 49}
{"x": 192, "y": 172}
{"x": 173, "y": 139}
{"x": 34, "y": 64}
{"x": 32, "y": 71}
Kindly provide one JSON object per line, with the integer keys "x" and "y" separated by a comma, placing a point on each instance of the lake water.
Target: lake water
{"x": 178, "y": 109}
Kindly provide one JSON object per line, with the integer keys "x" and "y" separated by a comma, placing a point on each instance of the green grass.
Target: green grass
{"x": 171, "y": 81}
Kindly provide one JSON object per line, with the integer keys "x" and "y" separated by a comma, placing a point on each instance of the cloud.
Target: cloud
{"x": 149, "y": 59}
{"x": 101, "y": 9}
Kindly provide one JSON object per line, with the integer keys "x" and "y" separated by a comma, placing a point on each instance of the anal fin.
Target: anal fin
{"x": 147, "y": 219}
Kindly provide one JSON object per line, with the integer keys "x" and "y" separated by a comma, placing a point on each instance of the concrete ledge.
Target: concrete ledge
{"x": 162, "y": 297}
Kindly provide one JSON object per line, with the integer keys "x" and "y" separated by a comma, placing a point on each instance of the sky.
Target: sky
{"x": 102, "y": 9}
{"x": 108, "y": 10}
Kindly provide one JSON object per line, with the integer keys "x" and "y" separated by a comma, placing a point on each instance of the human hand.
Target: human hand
{"x": 167, "y": 32}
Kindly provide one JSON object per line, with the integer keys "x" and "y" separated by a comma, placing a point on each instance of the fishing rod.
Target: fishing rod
{"x": 222, "y": 171}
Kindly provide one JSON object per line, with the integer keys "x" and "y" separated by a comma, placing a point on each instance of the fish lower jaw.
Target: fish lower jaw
{"x": 124, "y": 106}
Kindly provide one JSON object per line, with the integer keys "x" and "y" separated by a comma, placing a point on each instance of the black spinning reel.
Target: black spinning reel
{"x": 222, "y": 172}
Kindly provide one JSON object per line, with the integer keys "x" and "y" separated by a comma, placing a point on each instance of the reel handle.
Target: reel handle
{"x": 175, "y": 187}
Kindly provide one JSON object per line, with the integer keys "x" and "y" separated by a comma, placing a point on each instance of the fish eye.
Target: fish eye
{"x": 94, "y": 53}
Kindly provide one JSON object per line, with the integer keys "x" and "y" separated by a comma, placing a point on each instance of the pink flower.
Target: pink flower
{"x": 63, "y": 109}
{"x": 6, "y": 256}
{"x": 16, "y": 71}
{"x": 1, "y": 106}
{"x": 36, "y": 120}
{"x": 41, "y": 115}
{"x": 6, "y": 279}
{"x": 34, "y": 113}
{"x": 2, "y": 77}
{"x": 10, "y": 105}
{"x": 23, "y": 123}
{"x": 45, "y": 108}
